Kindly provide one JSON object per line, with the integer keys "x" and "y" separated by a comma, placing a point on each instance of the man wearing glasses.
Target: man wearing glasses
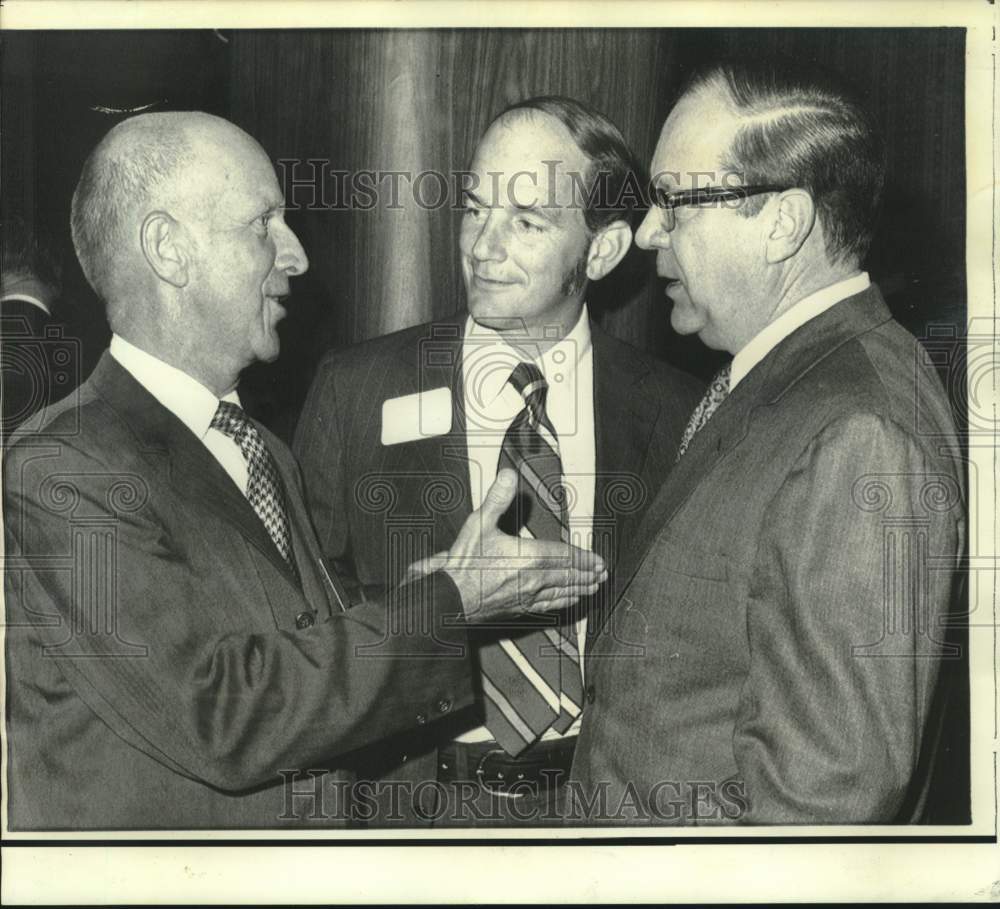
{"x": 791, "y": 574}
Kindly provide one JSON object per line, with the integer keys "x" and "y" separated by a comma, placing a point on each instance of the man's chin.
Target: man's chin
{"x": 685, "y": 321}
{"x": 489, "y": 317}
{"x": 497, "y": 323}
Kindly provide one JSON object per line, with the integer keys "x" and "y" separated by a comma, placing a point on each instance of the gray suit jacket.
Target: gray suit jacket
{"x": 164, "y": 666}
{"x": 775, "y": 647}
{"x": 376, "y": 507}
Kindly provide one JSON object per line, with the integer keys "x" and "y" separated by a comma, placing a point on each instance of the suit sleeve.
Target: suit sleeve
{"x": 321, "y": 450}
{"x": 840, "y": 622}
{"x": 181, "y": 669}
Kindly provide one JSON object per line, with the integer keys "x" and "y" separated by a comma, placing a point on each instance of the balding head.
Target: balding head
{"x": 143, "y": 163}
{"x": 178, "y": 220}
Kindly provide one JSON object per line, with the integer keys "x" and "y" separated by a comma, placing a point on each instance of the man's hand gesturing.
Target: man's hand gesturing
{"x": 497, "y": 574}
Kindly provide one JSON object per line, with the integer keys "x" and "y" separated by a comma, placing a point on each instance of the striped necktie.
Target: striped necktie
{"x": 532, "y": 680}
{"x": 717, "y": 392}
{"x": 264, "y": 490}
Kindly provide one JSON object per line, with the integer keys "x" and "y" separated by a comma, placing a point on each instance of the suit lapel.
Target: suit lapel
{"x": 193, "y": 472}
{"x": 764, "y": 385}
{"x": 624, "y": 417}
{"x": 435, "y": 361}
{"x": 318, "y": 584}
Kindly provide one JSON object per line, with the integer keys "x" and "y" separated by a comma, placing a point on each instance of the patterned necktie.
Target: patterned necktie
{"x": 717, "y": 392}
{"x": 533, "y": 680}
{"x": 264, "y": 489}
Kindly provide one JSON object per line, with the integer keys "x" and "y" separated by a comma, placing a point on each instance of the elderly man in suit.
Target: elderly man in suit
{"x": 402, "y": 435}
{"x": 789, "y": 578}
{"x": 177, "y": 653}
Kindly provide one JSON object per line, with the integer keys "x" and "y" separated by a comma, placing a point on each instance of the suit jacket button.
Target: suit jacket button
{"x": 591, "y": 694}
{"x": 444, "y": 706}
{"x": 304, "y": 620}
{"x": 421, "y": 719}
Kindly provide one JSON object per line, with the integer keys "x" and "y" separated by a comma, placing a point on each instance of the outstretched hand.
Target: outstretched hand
{"x": 497, "y": 574}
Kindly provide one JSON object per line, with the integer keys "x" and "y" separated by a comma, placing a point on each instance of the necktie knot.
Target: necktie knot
{"x": 530, "y": 384}
{"x": 231, "y": 420}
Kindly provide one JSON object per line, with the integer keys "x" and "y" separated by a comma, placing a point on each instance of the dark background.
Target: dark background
{"x": 402, "y": 99}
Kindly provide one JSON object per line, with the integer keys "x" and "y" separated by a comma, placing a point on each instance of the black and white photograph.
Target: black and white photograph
{"x": 460, "y": 437}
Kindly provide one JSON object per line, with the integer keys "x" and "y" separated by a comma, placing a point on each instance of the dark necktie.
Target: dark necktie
{"x": 532, "y": 680}
{"x": 264, "y": 489}
{"x": 717, "y": 392}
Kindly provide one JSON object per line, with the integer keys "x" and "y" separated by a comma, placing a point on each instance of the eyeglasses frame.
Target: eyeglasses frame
{"x": 667, "y": 201}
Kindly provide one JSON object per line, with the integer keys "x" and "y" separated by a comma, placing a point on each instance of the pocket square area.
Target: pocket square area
{"x": 417, "y": 416}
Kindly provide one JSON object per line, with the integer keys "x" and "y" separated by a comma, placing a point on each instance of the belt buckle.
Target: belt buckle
{"x": 485, "y": 784}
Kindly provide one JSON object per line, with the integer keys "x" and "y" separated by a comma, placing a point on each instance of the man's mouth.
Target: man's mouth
{"x": 483, "y": 281}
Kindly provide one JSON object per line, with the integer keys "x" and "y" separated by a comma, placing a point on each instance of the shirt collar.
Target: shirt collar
{"x": 28, "y": 298}
{"x": 185, "y": 397}
{"x": 807, "y": 308}
{"x": 488, "y": 360}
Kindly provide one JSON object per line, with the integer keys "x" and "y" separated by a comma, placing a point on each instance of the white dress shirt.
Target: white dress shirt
{"x": 807, "y": 308}
{"x": 188, "y": 400}
{"x": 491, "y": 403}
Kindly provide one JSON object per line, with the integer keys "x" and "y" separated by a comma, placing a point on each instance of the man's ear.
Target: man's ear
{"x": 164, "y": 248}
{"x": 793, "y": 221}
{"x": 607, "y": 249}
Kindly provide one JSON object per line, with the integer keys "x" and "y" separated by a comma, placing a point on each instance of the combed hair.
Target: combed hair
{"x": 116, "y": 178}
{"x": 25, "y": 252}
{"x": 802, "y": 127}
{"x": 615, "y": 181}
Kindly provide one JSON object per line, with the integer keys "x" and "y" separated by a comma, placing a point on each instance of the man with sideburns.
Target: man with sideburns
{"x": 178, "y": 654}
{"x": 402, "y": 435}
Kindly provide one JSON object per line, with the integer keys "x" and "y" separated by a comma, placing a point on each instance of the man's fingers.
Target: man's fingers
{"x": 553, "y": 554}
{"x": 423, "y": 567}
{"x": 554, "y": 605}
{"x": 499, "y": 497}
{"x": 570, "y": 580}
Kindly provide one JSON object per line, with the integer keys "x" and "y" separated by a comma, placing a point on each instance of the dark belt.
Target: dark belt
{"x": 542, "y": 767}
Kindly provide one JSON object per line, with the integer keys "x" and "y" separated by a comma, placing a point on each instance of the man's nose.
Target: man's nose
{"x": 651, "y": 234}
{"x": 488, "y": 245}
{"x": 291, "y": 257}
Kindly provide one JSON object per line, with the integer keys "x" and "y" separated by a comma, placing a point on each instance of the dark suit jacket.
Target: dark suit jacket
{"x": 165, "y": 669}
{"x": 378, "y": 507}
{"x": 779, "y": 613}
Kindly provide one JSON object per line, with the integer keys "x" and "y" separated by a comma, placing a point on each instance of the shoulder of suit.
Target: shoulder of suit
{"x": 881, "y": 371}
{"x": 667, "y": 379}
{"x": 80, "y": 424}
{"x": 363, "y": 353}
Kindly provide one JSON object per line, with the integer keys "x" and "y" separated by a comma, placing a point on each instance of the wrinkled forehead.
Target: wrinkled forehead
{"x": 529, "y": 159}
{"x": 694, "y": 142}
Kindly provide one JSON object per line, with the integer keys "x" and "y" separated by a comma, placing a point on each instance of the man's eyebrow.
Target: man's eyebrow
{"x": 552, "y": 215}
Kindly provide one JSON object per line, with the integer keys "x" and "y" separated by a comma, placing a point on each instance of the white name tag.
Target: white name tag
{"x": 419, "y": 416}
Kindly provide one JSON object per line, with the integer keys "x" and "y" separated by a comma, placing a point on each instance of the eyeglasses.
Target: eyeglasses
{"x": 668, "y": 201}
